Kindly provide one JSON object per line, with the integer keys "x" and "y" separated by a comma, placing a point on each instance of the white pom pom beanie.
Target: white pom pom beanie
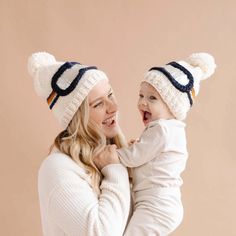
{"x": 64, "y": 85}
{"x": 179, "y": 82}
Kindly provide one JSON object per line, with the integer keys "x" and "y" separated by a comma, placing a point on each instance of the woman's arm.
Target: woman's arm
{"x": 77, "y": 210}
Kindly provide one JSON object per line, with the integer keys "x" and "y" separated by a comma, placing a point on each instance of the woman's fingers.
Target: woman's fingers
{"x": 112, "y": 147}
{"x": 107, "y": 156}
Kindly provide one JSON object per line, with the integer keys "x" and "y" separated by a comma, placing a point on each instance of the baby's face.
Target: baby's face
{"x": 151, "y": 105}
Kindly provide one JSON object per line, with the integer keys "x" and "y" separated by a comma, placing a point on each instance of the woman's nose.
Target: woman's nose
{"x": 112, "y": 106}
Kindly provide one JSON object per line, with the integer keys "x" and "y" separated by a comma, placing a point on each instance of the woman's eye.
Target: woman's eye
{"x": 110, "y": 95}
{"x": 98, "y": 105}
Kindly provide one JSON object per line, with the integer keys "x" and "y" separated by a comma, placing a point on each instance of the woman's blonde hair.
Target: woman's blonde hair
{"x": 82, "y": 140}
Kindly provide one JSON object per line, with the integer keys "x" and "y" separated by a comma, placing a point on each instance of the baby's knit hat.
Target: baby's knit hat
{"x": 179, "y": 82}
{"x": 64, "y": 85}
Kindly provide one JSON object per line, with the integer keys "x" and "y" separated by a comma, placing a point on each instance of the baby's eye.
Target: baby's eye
{"x": 152, "y": 98}
{"x": 140, "y": 95}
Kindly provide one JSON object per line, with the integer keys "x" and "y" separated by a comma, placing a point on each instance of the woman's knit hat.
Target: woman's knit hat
{"x": 64, "y": 85}
{"x": 179, "y": 82}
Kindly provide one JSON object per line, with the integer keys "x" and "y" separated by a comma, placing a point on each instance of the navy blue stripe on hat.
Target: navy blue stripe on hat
{"x": 54, "y": 101}
{"x": 64, "y": 92}
{"x": 190, "y": 98}
{"x": 183, "y": 88}
{"x": 189, "y": 86}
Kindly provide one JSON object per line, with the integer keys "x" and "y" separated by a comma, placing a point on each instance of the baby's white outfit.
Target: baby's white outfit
{"x": 157, "y": 161}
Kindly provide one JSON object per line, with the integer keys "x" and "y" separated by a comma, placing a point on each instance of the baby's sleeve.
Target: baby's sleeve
{"x": 150, "y": 145}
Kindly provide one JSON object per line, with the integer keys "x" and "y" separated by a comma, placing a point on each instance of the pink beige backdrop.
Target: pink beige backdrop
{"x": 123, "y": 38}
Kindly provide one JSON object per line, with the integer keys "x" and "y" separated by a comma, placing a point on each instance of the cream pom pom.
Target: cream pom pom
{"x": 38, "y": 68}
{"x": 205, "y": 62}
{"x": 38, "y": 60}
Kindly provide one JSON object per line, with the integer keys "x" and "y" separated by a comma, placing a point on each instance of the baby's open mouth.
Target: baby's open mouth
{"x": 146, "y": 116}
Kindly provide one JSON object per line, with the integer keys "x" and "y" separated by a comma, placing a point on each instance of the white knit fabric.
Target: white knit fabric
{"x": 157, "y": 161}
{"x": 200, "y": 65}
{"x": 42, "y": 66}
{"x": 159, "y": 157}
{"x": 69, "y": 206}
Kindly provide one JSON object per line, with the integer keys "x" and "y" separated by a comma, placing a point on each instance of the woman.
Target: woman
{"x": 77, "y": 198}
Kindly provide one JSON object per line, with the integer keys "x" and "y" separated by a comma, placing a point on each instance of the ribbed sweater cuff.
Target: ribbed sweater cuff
{"x": 115, "y": 172}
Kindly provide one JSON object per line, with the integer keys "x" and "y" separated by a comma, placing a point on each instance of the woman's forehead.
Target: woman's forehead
{"x": 101, "y": 89}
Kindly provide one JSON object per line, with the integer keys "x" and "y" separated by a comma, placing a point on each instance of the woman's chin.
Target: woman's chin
{"x": 111, "y": 132}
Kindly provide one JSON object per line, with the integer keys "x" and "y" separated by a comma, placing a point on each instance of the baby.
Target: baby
{"x": 159, "y": 157}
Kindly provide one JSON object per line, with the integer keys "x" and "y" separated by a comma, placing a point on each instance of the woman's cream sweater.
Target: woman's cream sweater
{"x": 69, "y": 206}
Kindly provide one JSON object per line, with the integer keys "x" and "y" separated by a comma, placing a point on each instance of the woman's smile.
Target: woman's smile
{"x": 110, "y": 122}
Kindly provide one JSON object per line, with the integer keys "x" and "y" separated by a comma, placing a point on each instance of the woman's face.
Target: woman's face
{"x": 103, "y": 108}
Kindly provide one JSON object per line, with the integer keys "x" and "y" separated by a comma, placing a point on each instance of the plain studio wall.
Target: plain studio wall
{"x": 125, "y": 39}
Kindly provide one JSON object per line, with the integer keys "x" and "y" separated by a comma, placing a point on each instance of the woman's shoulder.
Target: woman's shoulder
{"x": 57, "y": 159}
{"x": 60, "y": 166}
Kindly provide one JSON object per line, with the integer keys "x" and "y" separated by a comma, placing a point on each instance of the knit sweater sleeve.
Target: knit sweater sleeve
{"x": 77, "y": 210}
{"x": 150, "y": 145}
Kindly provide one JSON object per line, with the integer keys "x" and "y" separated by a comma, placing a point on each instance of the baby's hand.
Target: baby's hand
{"x": 106, "y": 157}
{"x": 132, "y": 141}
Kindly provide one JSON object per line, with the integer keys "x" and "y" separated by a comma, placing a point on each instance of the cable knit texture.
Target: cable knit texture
{"x": 69, "y": 206}
{"x": 42, "y": 66}
{"x": 200, "y": 65}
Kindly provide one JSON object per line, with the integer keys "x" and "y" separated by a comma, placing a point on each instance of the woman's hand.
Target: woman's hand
{"x": 106, "y": 157}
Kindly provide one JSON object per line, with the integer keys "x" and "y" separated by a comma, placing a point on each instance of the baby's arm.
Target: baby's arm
{"x": 150, "y": 145}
